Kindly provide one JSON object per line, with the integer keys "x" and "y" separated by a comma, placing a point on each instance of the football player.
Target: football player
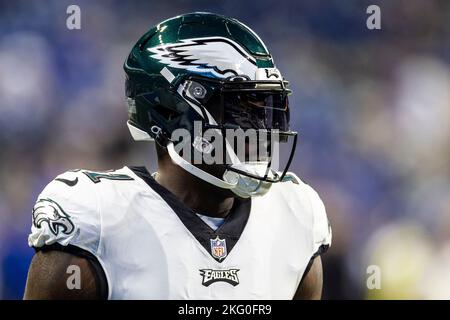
{"x": 238, "y": 227}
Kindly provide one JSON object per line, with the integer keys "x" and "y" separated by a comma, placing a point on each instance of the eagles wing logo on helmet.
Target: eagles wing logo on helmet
{"x": 220, "y": 57}
{"x": 48, "y": 211}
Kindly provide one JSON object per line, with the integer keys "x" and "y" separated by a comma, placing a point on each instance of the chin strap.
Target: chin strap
{"x": 241, "y": 185}
{"x": 198, "y": 172}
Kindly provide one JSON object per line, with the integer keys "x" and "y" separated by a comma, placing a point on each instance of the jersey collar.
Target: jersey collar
{"x": 226, "y": 235}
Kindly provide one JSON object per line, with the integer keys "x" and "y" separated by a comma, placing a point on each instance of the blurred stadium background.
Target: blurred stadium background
{"x": 372, "y": 107}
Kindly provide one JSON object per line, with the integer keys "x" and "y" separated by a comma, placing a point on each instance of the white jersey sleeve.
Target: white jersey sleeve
{"x": 319, "y": 223}
{"x": 67, "y": 213}
{"x": 321, "y": 227}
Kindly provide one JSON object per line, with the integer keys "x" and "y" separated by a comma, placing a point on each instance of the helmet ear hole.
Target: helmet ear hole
{"x": 166, "y": 113}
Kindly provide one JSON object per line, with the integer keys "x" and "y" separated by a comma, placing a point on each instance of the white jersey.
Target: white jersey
{"x": 151, "y": 246}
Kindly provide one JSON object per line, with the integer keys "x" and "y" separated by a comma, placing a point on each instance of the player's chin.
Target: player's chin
{"x": 217, "y": 171}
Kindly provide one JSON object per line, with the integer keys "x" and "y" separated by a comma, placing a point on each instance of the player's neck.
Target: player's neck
{"x": 196, "y": 194}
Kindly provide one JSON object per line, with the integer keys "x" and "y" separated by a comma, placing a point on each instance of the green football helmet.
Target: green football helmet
{"x": 203, "y": 71}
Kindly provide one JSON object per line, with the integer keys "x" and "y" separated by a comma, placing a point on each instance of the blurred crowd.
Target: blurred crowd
{"x": 372, "y": 108}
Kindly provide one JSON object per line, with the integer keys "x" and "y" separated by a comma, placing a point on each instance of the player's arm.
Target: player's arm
{"x": 310, "y": 288}
{"x": 65, "y": 232}
{"x": 51, "y": 277}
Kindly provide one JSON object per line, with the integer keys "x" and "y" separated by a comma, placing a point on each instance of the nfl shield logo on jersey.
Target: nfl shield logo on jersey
{"x": 218, "y": 248}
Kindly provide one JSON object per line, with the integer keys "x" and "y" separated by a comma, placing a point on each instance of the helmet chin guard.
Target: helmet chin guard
{"x": 241, "y": 185}
{"x": 247, "y": 187}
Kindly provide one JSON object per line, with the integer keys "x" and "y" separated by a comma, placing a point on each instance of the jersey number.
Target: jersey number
{"x": 97, "y": 176}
